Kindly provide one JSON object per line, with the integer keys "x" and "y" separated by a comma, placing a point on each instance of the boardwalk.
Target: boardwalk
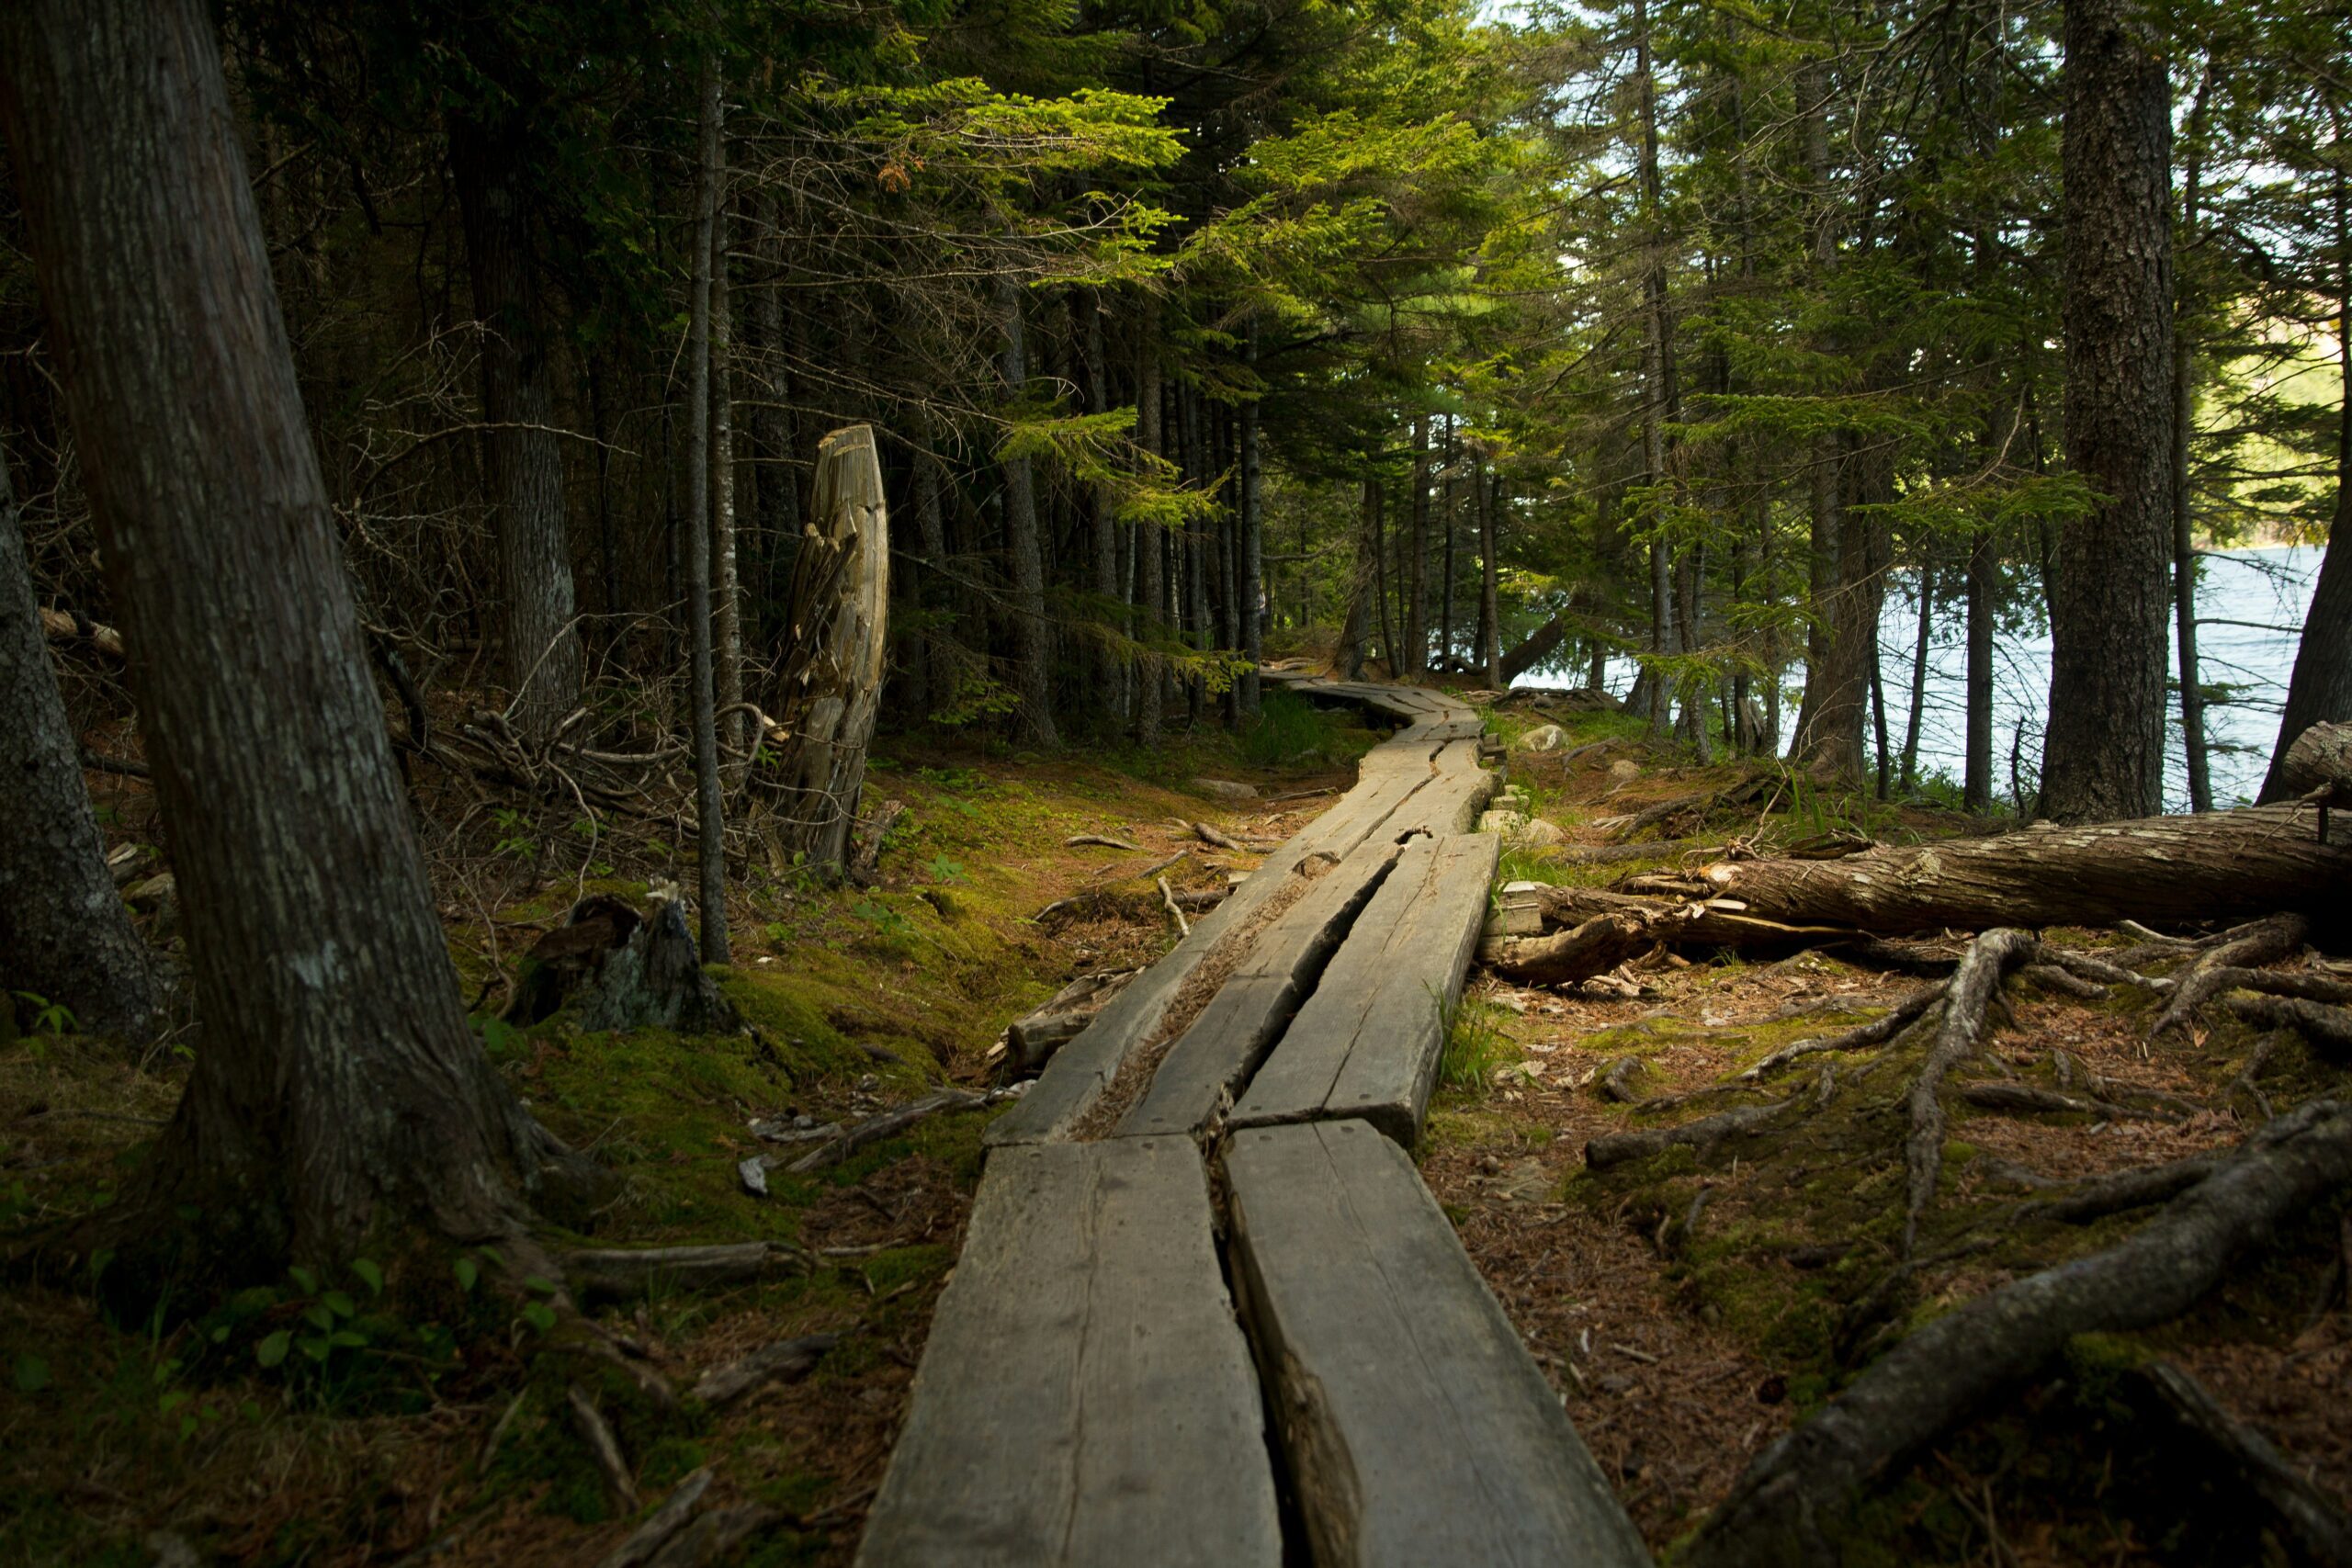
{"x": 1092, "y": 1392}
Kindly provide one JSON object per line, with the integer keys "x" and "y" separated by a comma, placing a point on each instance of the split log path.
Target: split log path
{"x": 1094, "y": 1391}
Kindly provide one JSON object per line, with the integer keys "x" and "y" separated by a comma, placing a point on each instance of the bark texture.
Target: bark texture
{"x": 710, "y": 833}
{"x": 520, "y": 449}
{"x": 2222, "y": 866}
{"x": 2104, "y": 754}
{"x": 832, "y": 679}
{"x": 1031, "y": 638}
{"x": 338, "y": 1086}
{"x": 64, "y": 935}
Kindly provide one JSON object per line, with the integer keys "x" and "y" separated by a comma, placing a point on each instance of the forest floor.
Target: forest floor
{"x": 1688, "y": 1309}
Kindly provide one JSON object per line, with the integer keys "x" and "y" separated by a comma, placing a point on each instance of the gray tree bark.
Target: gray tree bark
{"x": 2104, "y": 754}
{"x": 2320, "y": 691}
{"x": 1251, "y": 549}
{"x": 710, "y": 830}
{"x": 338, "y": 1088}
{"x": 520, "y": 448}
{"x": 1150, "y": 545}
{"x": 64, "y": 935}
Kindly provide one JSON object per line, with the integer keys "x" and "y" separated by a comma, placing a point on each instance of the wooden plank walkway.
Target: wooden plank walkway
{"x": 1088, "y": 1393}
{"x": 1367, "y": 1044}
{"x": 1085, "y": 1396}
{"x": 1415, "y": 1427}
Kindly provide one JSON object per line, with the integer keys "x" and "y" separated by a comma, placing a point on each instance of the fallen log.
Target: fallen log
{"x": 1786, "y": 1508}
{"x": 1609, "y": 928}
{"x": 2219, "y": 865}
{"x": 2320, "y": 759}
{"x": 621, "y": 1272}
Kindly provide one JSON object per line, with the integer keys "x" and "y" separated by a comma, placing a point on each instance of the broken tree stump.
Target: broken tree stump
{"x": 832, "y": 684}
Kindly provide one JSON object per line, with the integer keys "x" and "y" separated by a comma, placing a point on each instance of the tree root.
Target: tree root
{"x": 1972, "y": 990}
{"x": 1781, "y": 1509}
{"x": 1877, "y": 1031}
{"x": 848, "y": 1141}
{"x": 2223, "y": 1448}
{"x": 2264, "y": 941}
{"x": 1618, "y": 1148}
{"x": 1998, "y": 1096}
{"x": 602, "y": 1447}
{"x": 2329, "y": 1028}
{"x": 2123, "y": 1192}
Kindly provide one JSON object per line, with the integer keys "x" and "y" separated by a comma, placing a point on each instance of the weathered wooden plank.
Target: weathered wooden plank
{"x": 1367, "y": 1042}
{"x": 1415, "y": 1427}
{"x": 1231, "y": 1034}
{"x": 1086, "y": 1396}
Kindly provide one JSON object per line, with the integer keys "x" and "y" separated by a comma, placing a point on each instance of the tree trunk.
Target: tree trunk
{"x": 64, "y": 935}
{"x": 931, "y": 538}
{"x": 1032, "y": 640}
{"x": 1836, "y": 712}
{"x": 520, "y": 448}
{"x": 832, "y": 679}
{"x": 1150, "y": 538}
{"x": 1252, "y": 548}
{"x": 1919, "y": 676}
{"x": 1541, "y": 644}
{"x": 2219, "y": 866}
{"x": 1110, "y": 672}
{"x": 1416, "y": 566}
{"x": 1977, "y": 788}
{"x": 1656, "y": 372}
{"x": 776, "y": 485}
{"x": 338, "y": 1088}
{"x": 2320, "y": 691}
{"x": 2104, "y": 754}
{"x": 1386, "y": 624}
{"x": 1490, "y": 635}
{"x": 1360, "y": 583}
{"x": 727, "y": 606}
{"x": 2183, "y": 532}
{"x": 711, "y": 842}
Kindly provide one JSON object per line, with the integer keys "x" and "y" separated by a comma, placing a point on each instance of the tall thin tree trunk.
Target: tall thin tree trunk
{"x": 1355, "y": 616}
{"x": 1490, "y": 630}
{"x": 64, "y": 935}
{"x": 1032, "y": 639}
{"x": 2183, "y": 532}
{"x": 520, "y": 447}
{"x": 338, "y": 1090}
{"x": 1919, "y": 676}
{"x": 1380, "y": 573}
{"x": 1656, "y": 371}
{"x": 1150, "y": 539}
{"x": 1446, "y": 510}
{"x": 776, "y": 489}
{"x": 1416, "y": 565}
{"x": 2103, "y": 757}
{"x": 727, "y": 617}
{"x": 1977, "y": 786}
{"x": 710, "y": 838}
{"x": 1110, "y": 671}
{"x": 1252, "y": 548}
{"x": 2320, "y": 691}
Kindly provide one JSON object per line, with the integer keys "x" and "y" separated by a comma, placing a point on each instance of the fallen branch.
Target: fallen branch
{"x": 664, "y": 1522}
{"x": 1184, "y": 926}
{"x": 787, "y": 1360}
{"x": 897, "y": 1119}
{"x": 602, "y": 1447}
{"x": 1619, "y": 1080}
{"x": 1081, "y": 840}
{"x": 1967, "y": 999}
{"x": 632, "y": 1272}
{"x": 1784, "y": 1508}
{"x": 1034, "y": 1037}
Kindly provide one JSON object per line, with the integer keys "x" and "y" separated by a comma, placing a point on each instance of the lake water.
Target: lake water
{"x": 2267, "y": 593}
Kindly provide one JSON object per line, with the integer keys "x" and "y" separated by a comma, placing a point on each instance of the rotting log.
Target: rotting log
{"x": 1786, "y": 1506}
{"x": 2218, "y": 865}
{"x": 831, "y": 685}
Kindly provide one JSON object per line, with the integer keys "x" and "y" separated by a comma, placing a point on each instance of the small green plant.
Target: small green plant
{"x": 946, "y": 870}
{"x": 54, "y": 1017}
{"x": 1475, "y": 1044}
{"x": 518, "y": 841}
{"x": 892, "y": 925}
